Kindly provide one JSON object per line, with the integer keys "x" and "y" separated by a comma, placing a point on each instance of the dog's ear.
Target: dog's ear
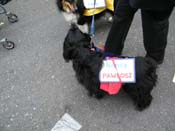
{"x": 69, "y": 53}
{"x": 59, "y": 4}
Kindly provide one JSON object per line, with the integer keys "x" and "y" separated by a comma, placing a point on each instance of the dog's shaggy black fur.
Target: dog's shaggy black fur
{"x": 80, "y": 8}
{"x": 87, "y": 65}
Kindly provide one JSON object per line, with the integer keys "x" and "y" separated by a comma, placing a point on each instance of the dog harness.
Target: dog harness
{"x": 110, "y": 88}
{"x": 113, "y": 87}
{"x": 109, "y": 6}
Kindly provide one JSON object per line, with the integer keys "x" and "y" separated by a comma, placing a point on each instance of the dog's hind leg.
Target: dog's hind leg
{"x": 95, "y": 91}
{"x": 143, "y": 101}
{"x": 100, "y": 94}
{"x": 140, "y": 95}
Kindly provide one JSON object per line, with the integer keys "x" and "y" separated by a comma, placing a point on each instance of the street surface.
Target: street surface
{"x": 37, "y": 87}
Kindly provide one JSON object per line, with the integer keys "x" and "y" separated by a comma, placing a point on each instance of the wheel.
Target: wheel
{"x": 2, "y": 10}
{"x": 9, "y": 45}
{"x": 12, "y": 18}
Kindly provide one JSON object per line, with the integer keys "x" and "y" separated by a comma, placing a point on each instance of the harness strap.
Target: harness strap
{"x": 112, "y": 88}
{"x": 116, "y": 70}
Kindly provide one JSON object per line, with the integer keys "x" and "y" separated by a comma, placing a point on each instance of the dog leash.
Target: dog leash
{"x": 92, "y": 27}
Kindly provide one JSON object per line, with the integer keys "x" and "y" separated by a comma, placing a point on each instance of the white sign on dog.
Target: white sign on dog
{"x": 89, "y": 4}
{"x": 118, "y": 69}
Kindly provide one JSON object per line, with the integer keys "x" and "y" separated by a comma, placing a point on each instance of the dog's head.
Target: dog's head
{"x": 74, "y": 40}
{"x": 66, "y": 5}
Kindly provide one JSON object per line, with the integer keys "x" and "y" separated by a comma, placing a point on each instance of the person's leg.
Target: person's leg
{"x": 122, "y": 20}
{"x": 155, "y": 32}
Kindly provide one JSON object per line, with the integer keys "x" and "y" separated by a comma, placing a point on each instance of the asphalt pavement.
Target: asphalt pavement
{"x": 37, "y": 87}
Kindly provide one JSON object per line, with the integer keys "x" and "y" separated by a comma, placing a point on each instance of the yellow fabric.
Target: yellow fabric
{"x": 109, "y": 6}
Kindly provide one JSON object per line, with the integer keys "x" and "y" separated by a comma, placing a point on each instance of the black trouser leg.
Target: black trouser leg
{"x": 155, "y": 31}
{"x": 122, "y": 20}
{"x": 123, "y": 17}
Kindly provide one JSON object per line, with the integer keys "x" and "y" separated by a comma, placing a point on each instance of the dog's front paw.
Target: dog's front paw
{"x": 99, "y": 95}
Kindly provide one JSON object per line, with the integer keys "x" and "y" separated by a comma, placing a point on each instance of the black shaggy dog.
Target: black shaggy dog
{"x": 77, "y": 6}
{"x": 87, "y": 65}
